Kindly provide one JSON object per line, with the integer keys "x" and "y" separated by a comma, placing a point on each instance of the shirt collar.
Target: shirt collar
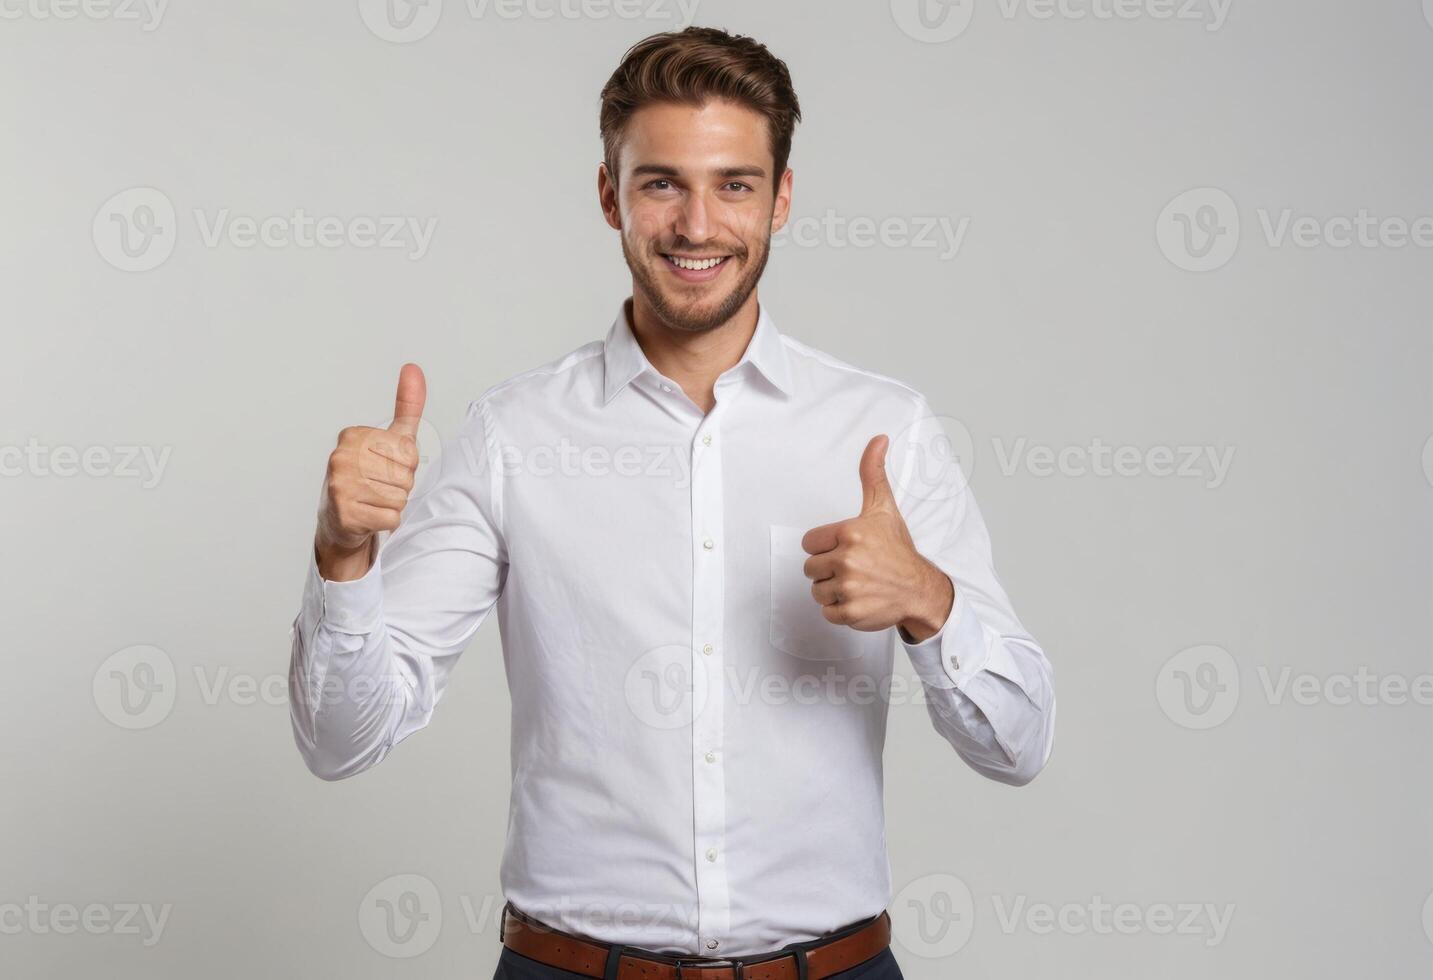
{"x": 623, "y": 360}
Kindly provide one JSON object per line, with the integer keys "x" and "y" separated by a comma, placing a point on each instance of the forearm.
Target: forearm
{"x": 338, "y": 564}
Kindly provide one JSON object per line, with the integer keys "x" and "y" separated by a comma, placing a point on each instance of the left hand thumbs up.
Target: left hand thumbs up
{"x": 866, "y": 572}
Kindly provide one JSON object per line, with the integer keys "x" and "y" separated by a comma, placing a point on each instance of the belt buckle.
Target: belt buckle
{"x": 736, "y": 966}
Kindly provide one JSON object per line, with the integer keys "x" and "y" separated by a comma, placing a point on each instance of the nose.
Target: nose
{"x": 693, "y": 220}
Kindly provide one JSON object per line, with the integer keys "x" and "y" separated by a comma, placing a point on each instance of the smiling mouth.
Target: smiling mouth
{"x": 696, "y": 264}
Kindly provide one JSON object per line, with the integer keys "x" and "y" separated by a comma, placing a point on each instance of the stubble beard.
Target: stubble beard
{"x": 686, "y": 318}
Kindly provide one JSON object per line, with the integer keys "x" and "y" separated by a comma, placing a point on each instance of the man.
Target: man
{"x": 701, "y": 563}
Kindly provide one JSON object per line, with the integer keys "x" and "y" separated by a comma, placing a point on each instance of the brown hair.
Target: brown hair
{"x": 692, "y": 66}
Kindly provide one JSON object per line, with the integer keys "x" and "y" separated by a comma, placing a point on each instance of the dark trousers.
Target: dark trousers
{"x": 514, "y": 966}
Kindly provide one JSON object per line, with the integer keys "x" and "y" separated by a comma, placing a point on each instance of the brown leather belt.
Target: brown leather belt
{"x": 812, "y": 960}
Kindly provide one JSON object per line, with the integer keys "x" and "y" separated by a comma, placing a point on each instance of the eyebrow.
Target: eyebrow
{"x": 666, "y": 170}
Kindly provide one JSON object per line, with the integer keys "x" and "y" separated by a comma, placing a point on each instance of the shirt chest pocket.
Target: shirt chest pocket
{"x": 797, "y": 624}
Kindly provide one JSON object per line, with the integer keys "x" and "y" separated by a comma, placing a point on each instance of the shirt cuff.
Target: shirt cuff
{"x": 353, "y": 607}
{"x": 956, "y": 652}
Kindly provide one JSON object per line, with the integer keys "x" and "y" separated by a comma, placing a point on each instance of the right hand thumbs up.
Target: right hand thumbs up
{"x": 370, "y": 474}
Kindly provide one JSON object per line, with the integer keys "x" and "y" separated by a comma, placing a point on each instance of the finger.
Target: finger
{"x": 403, "y": 449}
{"x": 408, "y": 406}
{"x": 855, "y": 613}
{"x": 821, "y": 539}
{"x": 826, "y": 592}
{"x": 385, "y": 469}
{"x": 875, "y": 488}
{"x": 819, "y": 567}
{"x": 371, "y": 518}
{"x": 389, "y": 474}
{"x": 379, "y": 494}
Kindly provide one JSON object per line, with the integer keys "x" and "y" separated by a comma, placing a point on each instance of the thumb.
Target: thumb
{"x": 408, "y": 407}
{"x": 875, "y": 488}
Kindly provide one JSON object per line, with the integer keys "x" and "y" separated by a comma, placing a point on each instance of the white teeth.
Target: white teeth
{"x": 695, "y": 265}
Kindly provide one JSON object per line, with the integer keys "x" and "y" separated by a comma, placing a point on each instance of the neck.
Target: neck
{"x": 693, "y": 360}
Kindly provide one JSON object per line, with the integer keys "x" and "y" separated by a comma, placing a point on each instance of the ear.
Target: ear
{"x": 782, "y": 211}
{"x": 607, "y": 197}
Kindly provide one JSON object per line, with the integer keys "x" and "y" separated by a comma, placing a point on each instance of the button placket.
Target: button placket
{"x": 708, "y": 603}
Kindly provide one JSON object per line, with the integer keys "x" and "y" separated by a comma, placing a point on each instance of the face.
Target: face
{"x": 696, "y": 201}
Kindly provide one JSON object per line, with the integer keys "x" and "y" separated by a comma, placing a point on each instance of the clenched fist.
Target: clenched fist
{"x": 370, "y": 474}
{"x": 866, "y": 572}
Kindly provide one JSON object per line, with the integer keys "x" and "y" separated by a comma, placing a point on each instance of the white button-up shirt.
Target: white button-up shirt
{"x": 696, "y": 751}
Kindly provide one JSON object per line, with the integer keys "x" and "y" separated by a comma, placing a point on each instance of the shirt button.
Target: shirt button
{"x": 707, "y": 439}
{"x": 666, "y": 387}
{"x": 711, "y": 853}
{"x": 711, "y": 756}
{"x": 707, "y": 649}
{"x": 712, "y": 944}
{"x": 709, "y": 544}
{"x": 954, "y": 664}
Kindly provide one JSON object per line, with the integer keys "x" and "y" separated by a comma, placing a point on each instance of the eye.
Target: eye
{"x": 659, "y": 184}
{"x": 736, "y": 185}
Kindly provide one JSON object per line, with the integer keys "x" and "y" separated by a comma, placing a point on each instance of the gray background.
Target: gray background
{"x": 1068, "y": 315}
